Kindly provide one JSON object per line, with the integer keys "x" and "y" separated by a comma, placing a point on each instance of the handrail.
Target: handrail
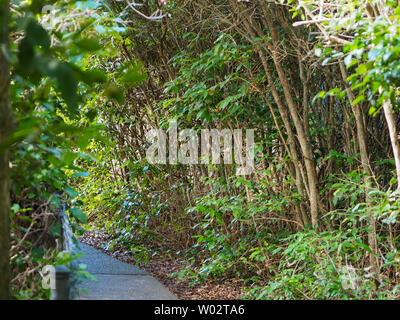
{"x": 65, "y": 277}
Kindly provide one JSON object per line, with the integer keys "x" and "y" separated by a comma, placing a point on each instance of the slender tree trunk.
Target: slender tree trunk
{"x": 5, "y": 127}
{"x": 366, "y": 168}
{"x": 387, "y": 108}
{"x": 305, "y": 144}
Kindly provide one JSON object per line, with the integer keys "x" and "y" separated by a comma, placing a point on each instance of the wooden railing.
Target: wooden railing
{"x": 65, "y": 276}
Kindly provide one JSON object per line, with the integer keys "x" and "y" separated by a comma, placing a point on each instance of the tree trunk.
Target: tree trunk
{"x": 305, "y": 144}
{"x": 387, "y": 108}
{"x": 366, "y": 168}
{"x": 310, "y": 187}
{"x": 5, "y": 127}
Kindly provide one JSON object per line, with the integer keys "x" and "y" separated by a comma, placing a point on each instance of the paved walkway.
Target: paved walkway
{"x": 117, "y": 280}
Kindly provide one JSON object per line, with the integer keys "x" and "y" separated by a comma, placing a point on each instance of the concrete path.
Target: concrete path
{"x": 117, "y": 280}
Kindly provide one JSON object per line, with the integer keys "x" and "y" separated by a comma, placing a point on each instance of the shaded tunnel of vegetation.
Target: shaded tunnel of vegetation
{"x": 83, "y": 82}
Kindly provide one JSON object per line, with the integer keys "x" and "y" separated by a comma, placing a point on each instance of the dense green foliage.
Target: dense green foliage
{"x": 256, "y": 227}
{"x": 316, "y": 219}
{"x": 51, "y": 89}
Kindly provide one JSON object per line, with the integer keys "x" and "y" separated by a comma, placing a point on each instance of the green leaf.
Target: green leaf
{"x": 81, "y": 174}
{"x": 362, "y": 69}
{"x": 94, "y": 76}
{"x": 25, "y": 56}
{"x": 67, "y": 84}
{"x": 89, "y": 45}
{"x": 133, "y": 75}
{"x": 358, "y": 100}
{"x": 79, "y": 214}
{"x": 36, "y": 35}
{"x": 364, "y": 246}
{"x": 71, "y": 192}
{"x": 333, "y": 92}
{"x": 371, "y": 111}
{"x": 115, "y": 93}
{"x": 65, "y": 76}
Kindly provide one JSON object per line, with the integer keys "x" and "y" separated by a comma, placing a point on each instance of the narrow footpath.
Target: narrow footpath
{"x": 117, "y": 280}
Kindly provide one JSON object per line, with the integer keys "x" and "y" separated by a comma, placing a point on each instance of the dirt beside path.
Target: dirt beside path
{"x": 161, "y": 268}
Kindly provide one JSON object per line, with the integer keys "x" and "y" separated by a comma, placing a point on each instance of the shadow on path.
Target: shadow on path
{"x": 117, "y": 280}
